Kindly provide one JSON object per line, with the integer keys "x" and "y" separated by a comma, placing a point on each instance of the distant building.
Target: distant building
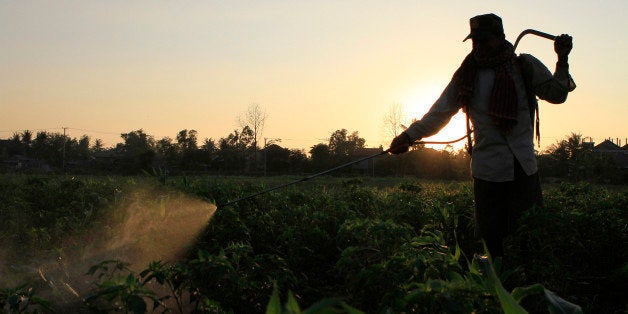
{"x": 606, "y": 146}
{"x": 612, "y": 150}
{"x": 23, "y": 163}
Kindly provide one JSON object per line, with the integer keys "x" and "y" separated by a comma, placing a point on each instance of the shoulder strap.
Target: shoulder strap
{"x": 469, "y": 141}
{"x": 533, "y": 104}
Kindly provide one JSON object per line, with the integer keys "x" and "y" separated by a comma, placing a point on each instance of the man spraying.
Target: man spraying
{"x": 498, "y": 89}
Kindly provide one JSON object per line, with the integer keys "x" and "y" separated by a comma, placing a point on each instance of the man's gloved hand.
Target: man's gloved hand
{"x": 400, "y": 144}
{"x": 562, "y": 46}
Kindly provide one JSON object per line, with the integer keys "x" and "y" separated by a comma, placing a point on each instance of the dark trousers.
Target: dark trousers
{"x": 499, "y": 205}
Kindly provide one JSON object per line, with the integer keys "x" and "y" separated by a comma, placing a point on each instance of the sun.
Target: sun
{"x": 455, "y": 129}
{"x": 417, "y": 102}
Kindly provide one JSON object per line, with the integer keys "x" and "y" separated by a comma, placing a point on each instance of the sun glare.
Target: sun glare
{"x": 417, "y": 103}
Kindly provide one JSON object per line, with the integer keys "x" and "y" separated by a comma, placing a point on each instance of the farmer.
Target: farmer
{"x": 498, "y": 92}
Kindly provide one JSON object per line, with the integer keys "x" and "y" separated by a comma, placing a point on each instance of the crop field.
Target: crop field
{"x": 329, "y": 245}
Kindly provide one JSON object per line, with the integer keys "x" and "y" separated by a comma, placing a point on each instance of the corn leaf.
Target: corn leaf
{"x": 274, "y": 305}
{"x": 520, "y": 293}
{"x": 559, "y": 305}
{"x": 508, "y": 303}
{"x": 292, "y": 306}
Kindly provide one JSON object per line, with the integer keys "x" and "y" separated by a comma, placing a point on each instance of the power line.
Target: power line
{"x": 303, "y": 139}
{"x": 96, "y": 131}
{"x": 60, "y": 128}
{"x": 21, "y": 130}
{"x": 118, "y": 133}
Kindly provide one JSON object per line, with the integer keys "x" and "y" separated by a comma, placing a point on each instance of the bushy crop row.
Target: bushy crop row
{"x": 377, "y": 245}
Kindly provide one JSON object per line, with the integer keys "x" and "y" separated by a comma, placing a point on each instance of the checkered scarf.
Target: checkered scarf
{"x": 503, "y": 101}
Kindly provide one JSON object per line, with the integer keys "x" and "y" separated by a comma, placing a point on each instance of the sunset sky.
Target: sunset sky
{"x": 103, "y": 68}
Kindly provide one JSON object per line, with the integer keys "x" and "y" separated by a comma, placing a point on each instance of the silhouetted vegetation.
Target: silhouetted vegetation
{"x": 238, "y": 153}
{"x": 574, "y": 159}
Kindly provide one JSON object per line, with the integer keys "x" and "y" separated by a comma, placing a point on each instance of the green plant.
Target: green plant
{"x": 22, "y": 299}
{"x": 379, "y": 244}
{"x": 119, "y": 289}
{"x": 158, "y": 173}
{"x": 326, "y": 306}
{"x": 510, "y": 302}
{"x": 173, "y": 277}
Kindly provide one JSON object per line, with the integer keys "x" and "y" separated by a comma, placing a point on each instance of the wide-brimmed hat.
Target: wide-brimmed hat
{"x": 485, "y": 25}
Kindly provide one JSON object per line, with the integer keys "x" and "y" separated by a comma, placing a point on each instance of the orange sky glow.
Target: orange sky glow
{"x": 103, "y": 68}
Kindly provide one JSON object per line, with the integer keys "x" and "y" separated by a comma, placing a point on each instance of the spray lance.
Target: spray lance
{"x": 328, "y": 171}
{"x": 534, "y": 32}
{"x": 525, "y": 32}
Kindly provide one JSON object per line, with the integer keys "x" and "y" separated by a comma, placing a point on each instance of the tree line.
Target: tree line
{"x": 237, "y": 153}
{"x": 240, "y": 153}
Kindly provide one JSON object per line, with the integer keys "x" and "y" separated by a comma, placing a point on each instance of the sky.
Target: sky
{"x": 103, "y": 68}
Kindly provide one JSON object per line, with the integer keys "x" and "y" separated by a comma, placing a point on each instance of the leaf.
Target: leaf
{"x": 520, "y": 293}
{"x": 137, "y": 304}
{"x": 454, "y": 276}
{"x": 130, "y": 281}
{"x": 422, "y": 241}
{"x": 92, "y": 270}
{"x": 508, "y": 303}
{"x": 322, "y": 306}
{"x": 559, "y": 305}
{"x": 145, "y": 272}
{"x": 351, "y": 310}
{"x": 292, "y": 306}
{"x": 274, "y": 305}
{"x": 457, "y": 253}
{"x": 42, "y": 302}
{"x": 330, "y": 306}
{"x": 111, "y": 291}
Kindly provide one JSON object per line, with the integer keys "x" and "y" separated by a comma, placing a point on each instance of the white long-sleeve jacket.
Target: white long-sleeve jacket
{"x": 492, "y": 158}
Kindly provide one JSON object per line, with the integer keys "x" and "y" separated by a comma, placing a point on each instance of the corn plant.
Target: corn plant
{"x": 291, "y": 306}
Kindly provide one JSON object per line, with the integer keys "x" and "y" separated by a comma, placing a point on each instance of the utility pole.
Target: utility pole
{"x": 64, "y": 140}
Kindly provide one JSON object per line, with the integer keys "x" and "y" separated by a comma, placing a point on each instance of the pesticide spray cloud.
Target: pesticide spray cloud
{"x": 155, "y": 225}
{"x": 147, "y": 224}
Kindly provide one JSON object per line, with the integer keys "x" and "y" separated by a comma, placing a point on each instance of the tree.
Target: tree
{"x": 391, "y": 124}
{"x": 15, "y": 146}
{"x": 27, "y": 137}
{"x": 254, "y": 118}
{"x": 298, "y": 160}
{"x": 82, "y": 148}
{"x": 207, "y": 154}
{"x": 139, "y": 149}
{"x": 98, "y": 146}
{"x": 187, "y": 141}
{"x": 40, "y": 145}
{"x": 342, "y": 146}
{"x": 209, "y": 145}
{"x": 233, "y": 150}
{"x": 49, "y": 147}
{"x": 320, "y": 157}
{"x": 277, "y": 158}
{"x": 189, "y": 154}
{"x": 167, "y": 152}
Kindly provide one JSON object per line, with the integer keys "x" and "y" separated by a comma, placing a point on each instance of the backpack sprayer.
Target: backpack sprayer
{"x": 525, "y": 32}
